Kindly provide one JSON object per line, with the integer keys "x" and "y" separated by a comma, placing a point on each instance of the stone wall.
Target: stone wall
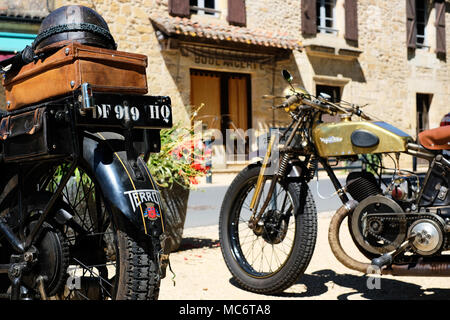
{"x": 384, "y": 64}
{"x": 130, "y": 25}
{"x": 386, "y": 75}
{"x": 26, "y": 8}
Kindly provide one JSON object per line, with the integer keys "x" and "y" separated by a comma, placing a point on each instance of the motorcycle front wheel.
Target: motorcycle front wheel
{"x": 272, "y": 258}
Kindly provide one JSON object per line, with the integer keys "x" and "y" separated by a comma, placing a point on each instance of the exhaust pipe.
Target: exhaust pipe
{"x": 335, "y": 244}
{"x": 421, "y": 268}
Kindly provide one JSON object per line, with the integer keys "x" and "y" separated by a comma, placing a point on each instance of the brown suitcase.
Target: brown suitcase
{"x": 65, "y": 70}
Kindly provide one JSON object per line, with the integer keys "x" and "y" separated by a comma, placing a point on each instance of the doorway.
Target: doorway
{"x": 226, "y": 99}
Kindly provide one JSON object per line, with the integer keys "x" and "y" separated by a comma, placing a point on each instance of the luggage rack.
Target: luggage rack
{"x": 49, "y": 130}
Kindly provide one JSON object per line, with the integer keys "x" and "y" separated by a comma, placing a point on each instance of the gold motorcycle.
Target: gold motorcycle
{"x": 398, "y": 220}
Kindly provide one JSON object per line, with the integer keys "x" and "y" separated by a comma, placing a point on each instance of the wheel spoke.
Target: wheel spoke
{"x": 262, "y": 258}
{"x": 91, "y": 238}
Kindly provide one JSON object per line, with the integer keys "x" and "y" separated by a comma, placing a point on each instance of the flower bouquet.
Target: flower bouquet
{"x": 176, "y": 169}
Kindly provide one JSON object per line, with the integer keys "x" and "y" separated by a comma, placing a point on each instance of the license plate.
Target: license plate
{"x": 130, "y": 111}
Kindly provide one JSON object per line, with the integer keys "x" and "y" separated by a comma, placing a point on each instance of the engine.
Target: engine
{"x": 385, "y": 219}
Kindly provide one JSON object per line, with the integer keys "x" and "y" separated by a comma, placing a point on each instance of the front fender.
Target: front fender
{"x": 126, "y": 185}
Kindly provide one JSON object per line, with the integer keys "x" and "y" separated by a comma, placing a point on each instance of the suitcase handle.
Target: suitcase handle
{"x": 20, "y": 59}
{"x": 21, "y": 124}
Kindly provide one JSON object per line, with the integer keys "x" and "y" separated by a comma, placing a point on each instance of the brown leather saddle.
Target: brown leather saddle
{"x": 435, "y": 139}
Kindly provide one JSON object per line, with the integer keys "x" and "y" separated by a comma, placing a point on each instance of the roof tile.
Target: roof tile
{"x": 176, "y": 25}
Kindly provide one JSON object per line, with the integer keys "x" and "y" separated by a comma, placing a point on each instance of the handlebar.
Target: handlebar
{"x": 290, "y": 101}
{"x": 325, "y": 106}
{"x": 297, "y": 98}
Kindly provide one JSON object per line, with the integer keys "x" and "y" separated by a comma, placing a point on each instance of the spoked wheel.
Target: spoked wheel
{"x": 270, "y": 257}
{"x": 105, "y": 262}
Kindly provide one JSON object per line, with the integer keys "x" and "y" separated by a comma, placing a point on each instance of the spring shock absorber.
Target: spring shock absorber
{"x": 312, "y": 166}
{"x": 283, "y": 165}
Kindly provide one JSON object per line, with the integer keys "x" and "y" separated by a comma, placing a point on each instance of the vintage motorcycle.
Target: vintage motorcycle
{"x": 399, "y": 221}
{"x": 80, "y": 214}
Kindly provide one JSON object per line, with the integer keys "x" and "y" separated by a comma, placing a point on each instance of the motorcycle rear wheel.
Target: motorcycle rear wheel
{"x": 112, "y": 260}
{"x": 270, "y": 261}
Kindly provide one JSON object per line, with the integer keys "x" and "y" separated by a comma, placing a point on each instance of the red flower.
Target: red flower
{"x": 193, "y": 180}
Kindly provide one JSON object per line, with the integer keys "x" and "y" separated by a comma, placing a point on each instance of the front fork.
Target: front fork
{"x": 254, "y": 221}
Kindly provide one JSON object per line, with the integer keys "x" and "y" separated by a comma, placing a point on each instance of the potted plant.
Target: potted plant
{"x": 176, "y": 169}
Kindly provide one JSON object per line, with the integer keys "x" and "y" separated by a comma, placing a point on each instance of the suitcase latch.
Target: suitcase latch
{"x": 87, "y": 99}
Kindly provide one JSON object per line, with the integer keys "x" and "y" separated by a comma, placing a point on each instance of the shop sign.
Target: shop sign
{"x": 224, "y": 63}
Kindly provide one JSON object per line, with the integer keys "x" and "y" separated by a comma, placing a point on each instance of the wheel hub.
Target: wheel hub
{"x": 49, "y": 262}
{"x": 274, "y": 228}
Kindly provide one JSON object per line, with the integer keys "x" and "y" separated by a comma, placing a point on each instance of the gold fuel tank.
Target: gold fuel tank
{"x": 348, "y": 138}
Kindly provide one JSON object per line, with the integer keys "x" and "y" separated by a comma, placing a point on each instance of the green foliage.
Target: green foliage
{"x": 373, "y": 162}
{"x": 181, "y": 159}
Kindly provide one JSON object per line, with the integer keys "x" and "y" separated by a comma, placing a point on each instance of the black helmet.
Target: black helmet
{"x": 74, "y": 23}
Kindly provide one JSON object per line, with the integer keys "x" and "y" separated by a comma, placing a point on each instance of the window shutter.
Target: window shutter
{"x": 309, "y": 17}
{"x": 351, "y": 20}
{"x": 179, "y": 8}
{"x": 236, "y": 12}
{"x": 439, "y": 6}
{"x": 411, "y": 32}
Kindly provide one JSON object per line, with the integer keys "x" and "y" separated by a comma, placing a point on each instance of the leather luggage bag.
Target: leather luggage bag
{"x": 64, "y": 71}
{"x": 34, "y": 135}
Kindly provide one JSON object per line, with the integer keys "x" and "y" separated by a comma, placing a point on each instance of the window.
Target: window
{"x": 326, "y": 16}
{"x": 206, "y": 7}
{"x": 333, "y": 91}
{"x": 335, "y": 96}
{"x": 423, "y": 102}
{"x": 421, "y": 23}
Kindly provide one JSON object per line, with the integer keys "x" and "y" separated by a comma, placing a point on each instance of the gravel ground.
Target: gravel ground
{"x": 201, "y": 274}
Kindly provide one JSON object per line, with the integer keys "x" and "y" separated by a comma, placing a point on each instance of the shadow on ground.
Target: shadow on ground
{"x": 196, "y": 243}
{"x": 319, "y": 282}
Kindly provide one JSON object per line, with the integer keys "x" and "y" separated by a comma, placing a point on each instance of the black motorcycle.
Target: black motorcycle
{"x": 80, "y": 214}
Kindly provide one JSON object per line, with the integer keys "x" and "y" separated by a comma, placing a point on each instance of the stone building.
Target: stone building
{"x": 227, "y": 54}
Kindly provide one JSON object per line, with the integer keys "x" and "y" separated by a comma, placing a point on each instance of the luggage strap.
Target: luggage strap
{"x": 74, "y": 27}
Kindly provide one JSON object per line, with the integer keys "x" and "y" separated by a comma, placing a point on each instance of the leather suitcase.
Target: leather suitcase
{"x": 65, "y": 70}
{"x": 34, "y": 135}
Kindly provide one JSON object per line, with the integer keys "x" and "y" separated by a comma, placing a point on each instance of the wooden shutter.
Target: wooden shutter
{"x": 439, "y": 6}
{"x": 179, "y": 8}
{"x": 309, "y": 17}
{"x": 236, "y": 12}
{"x": 237, "y": 102}
{"x": 411, "y": 31}
{"x": 205, "y": 88}
{"x": 351, "y": 20}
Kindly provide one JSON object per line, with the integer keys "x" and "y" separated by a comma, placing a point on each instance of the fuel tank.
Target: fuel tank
{"x": 348, "y": 138}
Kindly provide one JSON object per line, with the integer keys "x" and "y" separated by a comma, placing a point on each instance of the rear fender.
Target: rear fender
{"x": 127, "y": 185}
